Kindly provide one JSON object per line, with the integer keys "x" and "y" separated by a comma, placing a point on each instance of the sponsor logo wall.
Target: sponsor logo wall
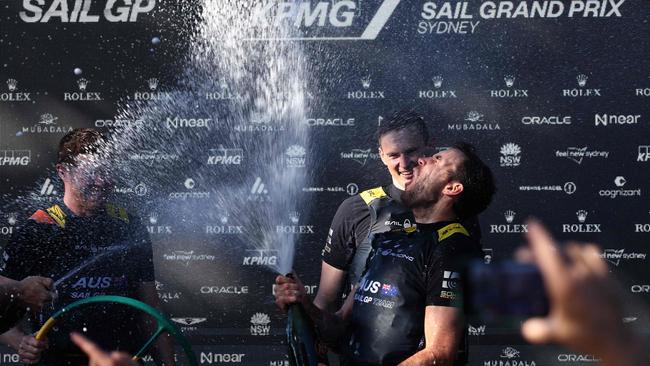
{"x": 562, "y": 123}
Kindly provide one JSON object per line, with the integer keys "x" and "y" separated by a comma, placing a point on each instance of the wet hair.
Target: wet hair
{"x": 402, "y": 120}
{"x": 477, "y": 180}
{"x": 79, "y": 141}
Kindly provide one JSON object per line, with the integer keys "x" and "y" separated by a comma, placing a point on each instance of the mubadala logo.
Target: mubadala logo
{"x": 581, "y": 226}
{"x": 225, "y": 156}
{"x": 509, "y": 357}
{"x": 180, "y": 122}
{"x": 476, "y": 331}
{"x": 330, "y": 122}
{"x": 577, "y": 154}
{"x": 114, "y": 11}
{"x": 261, "y": 257}
{"x": 360, "y": 156}
{"x": 153, "y": 93}
{"x": 616, "y": 119}
{"x": 15, "y": 157}
{"x": 509, "y": 92}
{"x": 509, "y": 227}
{"x": 510, "y": 155}
{"x": 644, "y": 153}
{"x": 82, "y": 95}
{"x": 260, "y": 122}
{"x": 8, "y": 223}
{"x": 568, "y": 188}
{"x": 12, "y": 95}
{"x": 546, "y": 120}
{"x": 437, "y": 92}
{"x": 260, "y": 324}
{"x": 581, "y": 91}
{"x": 316, "y": 18}
{"x": 619, "y": 181}
{"x": 474, "y": 121}
{"x": 155, "y": 228}
{"x": 366, "y": 92}
{"x": 189, "y": 192}
{"x": 295, "y": 156}
{"x": 185, "y": 257}
{"x": 165, "y": 295}
{"x": 46, "y": 124}
{"x": 576, "y": 357}
{"x": 614, "y": 256}
{"x": 294, "y": 217}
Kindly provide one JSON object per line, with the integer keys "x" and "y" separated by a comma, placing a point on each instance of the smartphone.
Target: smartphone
{"x": 504, "y": 293}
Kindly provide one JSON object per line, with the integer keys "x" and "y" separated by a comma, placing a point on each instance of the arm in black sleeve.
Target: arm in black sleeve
{"x": 349, "y": 226}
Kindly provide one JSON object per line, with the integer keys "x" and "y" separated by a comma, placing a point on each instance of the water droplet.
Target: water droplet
{"x": 77, "y": 71}
{"x": 155, "y": 40}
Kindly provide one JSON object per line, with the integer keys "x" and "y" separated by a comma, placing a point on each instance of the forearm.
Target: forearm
{"x": 429, "y": 357}
{"x": 625, "y": 350}
{"x": 12, "y": 337}
{"x": 329, "y": 327}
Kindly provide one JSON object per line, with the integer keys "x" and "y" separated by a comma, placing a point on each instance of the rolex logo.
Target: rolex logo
{"x": 294, "y": 217}
{"x": 474, "y": 116}
{"x": 47, "y": 119}
{"x": 222, "y": 83}
{"x": 365, "y": 82}
{"x": 153, "y": 219}
{"x": 153, "y": 84}
{"x": 582, "y": 216}
{"x": 224, "y": 218}
{"x": 437, "y": 81}
{"x": 11, "y": 220}
{"x": 510, "y": 80}
{"x": 582, "y": 80}
{"x": 509, "y": 216}
{"x": 12, "y": 84}
{"x": 82, "y": 84}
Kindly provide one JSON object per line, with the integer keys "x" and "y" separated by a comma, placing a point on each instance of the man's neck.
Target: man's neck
{"x": 398, "y": 185}
{"x": 432, "y": 214}
{"x": 76, "y": 206}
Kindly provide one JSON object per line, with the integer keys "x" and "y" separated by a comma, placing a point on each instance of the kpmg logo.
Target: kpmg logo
{"x": 546, "y": 120}
{"x": 578, "y": 154}
{"x": 366, "y": 92}
{"x": 155, "y": 228}
{"x": 509, "y": 92}
{"x": 644, "y": 153}
{"x": 82, "y": 95}
{"x": 12, "y": 95}
{"x": 619, "y": 191}
{"x": 225, "y": 156}
{"x": 153, "y": 93}
{"x": 360, "y": 156}
{"x": 324, "y": 20}
{"x": 614, "y": 256}
{"x": 260, "y": 324}
{"x": 15, "y": 157}
{"x": 474, "y": 121}
{"x": 330, "y": 122}
{"x": 292, "y": 228}
{"x": 616, "y": 119}
{"x": 295, "y": 156}
{"x": 185, "y": 257}
{"x": 581, "y": 226}
{"x": 508, "y": 227}
{"x": 261, "y": 257}
{"x": 510, "y": 155}
{"x": 46, "y": 124}
{"x": 436, "y": 92}
{"x": 258, "y": 191}
{"x": 581, "y": 91}
{"x": 36, "y": 11}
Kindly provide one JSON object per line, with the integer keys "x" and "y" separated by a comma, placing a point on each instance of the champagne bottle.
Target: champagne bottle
{"x": 300, "y": 337}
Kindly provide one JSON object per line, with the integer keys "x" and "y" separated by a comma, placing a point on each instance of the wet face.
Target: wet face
{"x": 399, "y": 151}
{"x": 89, "y": 181}
{"x": 432, "y": 177}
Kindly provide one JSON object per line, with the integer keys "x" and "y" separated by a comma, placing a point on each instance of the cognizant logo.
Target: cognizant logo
{"x": 314, "y": 17}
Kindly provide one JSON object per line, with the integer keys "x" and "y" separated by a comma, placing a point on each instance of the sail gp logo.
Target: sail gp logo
{"x": 326, "y": 20}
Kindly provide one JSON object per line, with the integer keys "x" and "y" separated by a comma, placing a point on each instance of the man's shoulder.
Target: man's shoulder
{"x": 47, "y": 217}
{"x": 455, "y": 238}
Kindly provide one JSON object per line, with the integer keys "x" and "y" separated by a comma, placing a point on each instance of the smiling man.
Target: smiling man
{"x": 406, "y": 307}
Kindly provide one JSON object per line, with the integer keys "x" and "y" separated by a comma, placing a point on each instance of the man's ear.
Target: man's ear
{"x": 453, "y": 188}
{"x": 382, "y": 157}
{"x": 60, "y": 170}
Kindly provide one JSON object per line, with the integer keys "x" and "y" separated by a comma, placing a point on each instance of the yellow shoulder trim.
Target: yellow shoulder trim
{"x": 57, "y": 214}
{"x": 117, "y": 212}
{"x": 372, "y": 194}
{"x": 450, "y": 230}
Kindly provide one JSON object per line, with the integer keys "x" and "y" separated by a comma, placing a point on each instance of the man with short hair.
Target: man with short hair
{"x": 89, "y": 247}
{"x": 410, "y": 287}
